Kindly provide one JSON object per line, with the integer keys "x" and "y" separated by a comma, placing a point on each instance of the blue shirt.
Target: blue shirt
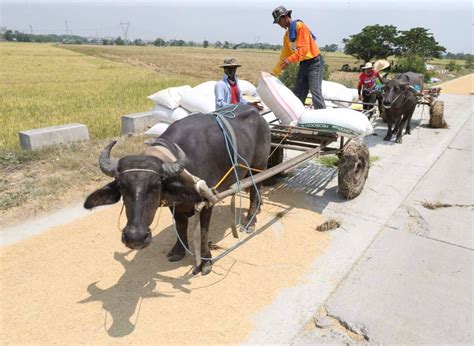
{"x": 222, "y": 93}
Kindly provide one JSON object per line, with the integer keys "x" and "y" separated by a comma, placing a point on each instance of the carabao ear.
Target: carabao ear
{"x": 109, "y": 194}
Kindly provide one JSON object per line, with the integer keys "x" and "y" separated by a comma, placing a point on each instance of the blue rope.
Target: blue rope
{"x": 227, "y": 112}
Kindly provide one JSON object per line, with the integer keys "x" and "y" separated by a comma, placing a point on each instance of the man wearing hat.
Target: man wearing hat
{"x": 227, "y": 90}
{"x": 367, "y": 83}
{"x": 299, "y": 45}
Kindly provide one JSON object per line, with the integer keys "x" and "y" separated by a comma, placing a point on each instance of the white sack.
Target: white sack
{"x": 169, "y": 97}
{"x": 247, "y": 88}
{"x": 167, "y": 115}
{"x": 354, "y": 94}
{"x": 343, "y": 121}
{"x": 336, "y": 91}
{"x": 157, "y": 130}
{"x": 207, "y": 88}
{"x": 281, "y": 100}
{"x": 198, "y": 100}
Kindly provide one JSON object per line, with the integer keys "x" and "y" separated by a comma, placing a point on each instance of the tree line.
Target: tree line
{"x": 373, "y": 42}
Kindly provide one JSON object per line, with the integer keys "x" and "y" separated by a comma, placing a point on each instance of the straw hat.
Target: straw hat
{"x": 381, "y": 64}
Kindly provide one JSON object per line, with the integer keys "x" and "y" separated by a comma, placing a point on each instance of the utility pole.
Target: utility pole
{"x": 31, "y": 29}
{"x": 67, "y": 28}
{"x": 125, "y": 26}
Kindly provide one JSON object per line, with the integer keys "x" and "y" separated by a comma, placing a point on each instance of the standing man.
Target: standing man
{"x": 227, "y": 90}
{"x": 299, "y": 45}
{"x": 367, "y": 84}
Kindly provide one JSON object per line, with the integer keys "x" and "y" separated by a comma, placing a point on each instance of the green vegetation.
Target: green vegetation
{"x": 44, "y": 85}
{"x": 288, "y": 77}
{"x": 373, "y": 42}
{"x": 383, "y": 41}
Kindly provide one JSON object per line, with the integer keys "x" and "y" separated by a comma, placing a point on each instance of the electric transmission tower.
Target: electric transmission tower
{"x": 125, "y": 26}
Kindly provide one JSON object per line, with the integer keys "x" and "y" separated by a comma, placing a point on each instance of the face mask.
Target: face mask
{"x": 230, "y": 72}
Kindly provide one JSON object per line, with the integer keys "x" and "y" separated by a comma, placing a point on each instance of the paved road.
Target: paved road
{"x": 396, "y": 272}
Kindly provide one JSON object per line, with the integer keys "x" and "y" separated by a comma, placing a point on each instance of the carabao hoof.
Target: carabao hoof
{"x": 174, "y": 257}
{"x": 204, "y": 268}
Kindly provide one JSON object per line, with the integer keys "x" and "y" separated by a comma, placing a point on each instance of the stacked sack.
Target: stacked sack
{"x": 291, "y": 111}
{"x": 336, "y": 91}
{"x": 167, "y": 108}
{"x": 176, "y": 103}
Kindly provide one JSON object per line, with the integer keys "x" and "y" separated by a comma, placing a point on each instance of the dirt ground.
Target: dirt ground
{"x": 78, "y": 283}
{"x": 461, "y": 86}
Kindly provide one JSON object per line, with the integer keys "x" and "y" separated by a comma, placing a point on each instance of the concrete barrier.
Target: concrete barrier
{"x": 47, "y": 136}
{"x": 137, "y": 122}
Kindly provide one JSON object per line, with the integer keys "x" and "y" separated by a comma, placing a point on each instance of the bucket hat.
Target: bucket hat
{"x": 278, "y": 12}
{"x": 230, "y": 62}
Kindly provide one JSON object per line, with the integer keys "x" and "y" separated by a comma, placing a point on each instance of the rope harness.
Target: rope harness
{"x": 229, "y": 137}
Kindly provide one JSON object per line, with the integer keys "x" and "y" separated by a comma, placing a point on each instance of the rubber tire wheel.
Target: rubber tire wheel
{"x": 353, "y": 170}
{"x": 276, "y": 158}
{"x": 437, "y": 115}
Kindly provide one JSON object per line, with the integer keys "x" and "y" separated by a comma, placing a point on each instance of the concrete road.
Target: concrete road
{"x": 396, "y": 272}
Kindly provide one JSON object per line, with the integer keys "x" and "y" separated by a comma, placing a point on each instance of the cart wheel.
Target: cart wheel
{"x": 353, "y": 170}
{"x": 437, "y": 115}
{"x": 276, "y": 158}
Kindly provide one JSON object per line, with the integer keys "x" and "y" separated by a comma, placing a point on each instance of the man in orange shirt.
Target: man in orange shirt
{"x": 299, "y": 45}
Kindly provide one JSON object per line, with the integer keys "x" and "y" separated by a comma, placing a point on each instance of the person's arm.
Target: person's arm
{"x": 285, "y": 53}
{"x": 303, "y": 35}
{"x": 219, "y": 92}
{"x": 359, "y": 86}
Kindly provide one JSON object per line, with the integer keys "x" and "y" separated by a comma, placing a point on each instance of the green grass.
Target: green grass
{"x": 44, "y": 85}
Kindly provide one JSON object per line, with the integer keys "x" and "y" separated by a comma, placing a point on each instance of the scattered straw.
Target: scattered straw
{"x": 328, "y": 225}
{"x": 438, "y": 205}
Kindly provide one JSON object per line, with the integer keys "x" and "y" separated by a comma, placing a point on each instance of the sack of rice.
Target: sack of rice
{"x": 157, "y": 130}
{"x": 169, "y": 97}
{"x": 343, "y": 121}
{"x": 281, "y": 100}
{"x": 167, "y": 115}
{"x": 198, "y": 100}
{"x": 247, "y": 88}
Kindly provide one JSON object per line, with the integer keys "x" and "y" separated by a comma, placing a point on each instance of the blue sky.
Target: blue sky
{"x": 237, "y": 21}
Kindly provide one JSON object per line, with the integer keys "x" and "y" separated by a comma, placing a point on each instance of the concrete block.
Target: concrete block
{"x": 47, "y": 136}
{"x": 137, "y": 122}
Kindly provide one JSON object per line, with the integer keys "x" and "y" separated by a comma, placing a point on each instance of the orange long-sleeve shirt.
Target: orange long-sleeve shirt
{"x": 304, "y": 48}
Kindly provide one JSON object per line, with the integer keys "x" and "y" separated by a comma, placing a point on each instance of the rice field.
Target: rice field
{"x": 45, "y": 85}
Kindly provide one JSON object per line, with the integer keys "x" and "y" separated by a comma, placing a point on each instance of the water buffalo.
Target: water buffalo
{"x": 145, "y": 181}
{"x": 399, "y": 101}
